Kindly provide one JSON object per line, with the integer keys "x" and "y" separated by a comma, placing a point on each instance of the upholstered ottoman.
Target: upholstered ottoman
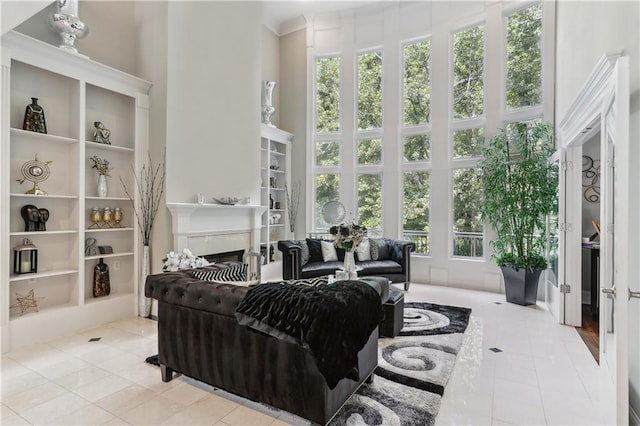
{"x": 393, "y": 309}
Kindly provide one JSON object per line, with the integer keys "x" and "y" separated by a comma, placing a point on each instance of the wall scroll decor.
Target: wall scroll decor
{"x": 591, "y": 179}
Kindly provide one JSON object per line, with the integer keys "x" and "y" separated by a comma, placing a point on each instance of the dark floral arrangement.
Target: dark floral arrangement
{"x": 347, "y": 237}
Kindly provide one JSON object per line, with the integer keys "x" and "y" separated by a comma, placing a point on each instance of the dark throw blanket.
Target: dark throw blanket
{"x": 334, "y": 321}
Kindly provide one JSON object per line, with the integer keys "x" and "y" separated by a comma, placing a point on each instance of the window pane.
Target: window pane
{"x": 327, "y": 153}
{"x": 468, "y": 143}
{"x": 327, "y": 94}
{"x": 370, "y": 151}
{"x": 417, "y": 92}
{"x": 468, "y": 68}
{"x": 327, "y": 189}
{"x": 370, "y": 90}
{"x": 467, "y": 225}
{"x": 415, "y": 223}
{"x": 416, "y": 148}
{"x": 524, "y": 58}
{"x": 370, "y": 200}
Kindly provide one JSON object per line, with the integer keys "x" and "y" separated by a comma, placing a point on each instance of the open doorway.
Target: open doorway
{"x": 590, "y": 212}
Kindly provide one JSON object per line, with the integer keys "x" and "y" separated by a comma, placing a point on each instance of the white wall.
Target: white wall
{"x": 293, "y": 106}
{"x": 111, "y": 31}
{"x": 270, "y": 68}
{"x": 213, "y": 100}
{"x": 585, "y": 31}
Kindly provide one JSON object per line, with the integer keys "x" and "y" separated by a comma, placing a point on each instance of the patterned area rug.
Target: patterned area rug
{"x": 413, "y": 369}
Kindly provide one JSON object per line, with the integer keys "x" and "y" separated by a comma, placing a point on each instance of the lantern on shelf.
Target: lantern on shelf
{"x": 25, "y": 258}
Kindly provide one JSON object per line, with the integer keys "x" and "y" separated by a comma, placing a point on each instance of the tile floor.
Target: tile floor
{"x": 544, "y": 375}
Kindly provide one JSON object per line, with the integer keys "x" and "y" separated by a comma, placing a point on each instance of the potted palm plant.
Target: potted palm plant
{"x": 520, "y": 191}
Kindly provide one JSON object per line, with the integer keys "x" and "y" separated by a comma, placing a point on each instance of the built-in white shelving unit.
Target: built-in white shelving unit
{"x": 275, "y": 166}
{"x": 74, "y": 92}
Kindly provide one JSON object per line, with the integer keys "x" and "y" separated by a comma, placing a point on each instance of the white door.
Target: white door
{"x": 614, "y": 236}
{"x": 556, "y": 244}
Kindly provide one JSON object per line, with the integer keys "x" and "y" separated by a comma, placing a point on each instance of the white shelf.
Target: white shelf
{"x": 44, "y": 137}
{"x": 90, "y": 300}
{"x": 91, "y": 197}
{"x": 104, "y": 256}
{"x": 27, "y": 316}
{"x": 282, "y": 154}
{"x": 51, "y": 196}
{"x": 277, "y": 171}
{"x": 108, "y": 229}
{"x": 65, "y": 231}
{"x": 108, "y": 147}
{"x": 44, "y": 274}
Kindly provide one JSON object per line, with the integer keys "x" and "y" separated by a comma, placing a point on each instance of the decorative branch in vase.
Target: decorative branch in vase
{"x": 293, "y": 202}
{"x": 103, "y": 168}
{"x": 150, "y": 188}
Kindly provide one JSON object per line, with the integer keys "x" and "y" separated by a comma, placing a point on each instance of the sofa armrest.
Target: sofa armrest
{"x": 291, "y": 259}
{"x": 400, "y": 252}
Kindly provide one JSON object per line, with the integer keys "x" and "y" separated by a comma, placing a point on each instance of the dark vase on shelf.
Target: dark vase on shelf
{"x": 101, "y": 282}
{"x": 34, "y": 118}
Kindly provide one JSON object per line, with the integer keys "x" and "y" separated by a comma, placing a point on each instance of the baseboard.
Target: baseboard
{"x": 634, "y": 419}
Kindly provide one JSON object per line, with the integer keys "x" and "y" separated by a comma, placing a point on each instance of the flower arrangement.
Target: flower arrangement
{"x": 101, "y": 165}
{"x": 174, "y": 261}
{"x": 347, "y": 237}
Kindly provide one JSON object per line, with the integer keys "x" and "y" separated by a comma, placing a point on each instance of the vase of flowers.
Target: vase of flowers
{"x": 103, "y": 168}
{"x": 347, "y": 237}
{"x": 175, "y": 261}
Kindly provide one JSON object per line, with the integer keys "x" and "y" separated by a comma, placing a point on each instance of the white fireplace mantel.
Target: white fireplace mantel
{"x": 191, "y": 220}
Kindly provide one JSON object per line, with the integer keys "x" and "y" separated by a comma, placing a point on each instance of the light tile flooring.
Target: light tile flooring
{"x": 544, "y": 375}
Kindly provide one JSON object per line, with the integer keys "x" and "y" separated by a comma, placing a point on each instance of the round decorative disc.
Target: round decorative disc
{"x": 35, "y": 171}
{"x": 333, "y": 212}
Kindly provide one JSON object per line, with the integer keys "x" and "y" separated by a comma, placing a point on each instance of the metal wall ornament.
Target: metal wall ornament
{"x": 35, "y": 171}
{"x": 34, "y": 120}
{"x": 591, "y": 179}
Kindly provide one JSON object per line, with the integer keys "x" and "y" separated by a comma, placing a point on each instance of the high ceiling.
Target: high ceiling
{"x": 277, "y": 13}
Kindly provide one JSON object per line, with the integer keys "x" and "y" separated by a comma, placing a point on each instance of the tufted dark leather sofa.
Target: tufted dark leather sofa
{"x": 397, "y": 268}
{"x": 198, "y": 336}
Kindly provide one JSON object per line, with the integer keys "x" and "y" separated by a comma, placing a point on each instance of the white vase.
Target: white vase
{"x": 144, "y": 303}
{"x": 349, "y": 261}
{"x": 267, "y": 101}
{"x": 103, "y": 188}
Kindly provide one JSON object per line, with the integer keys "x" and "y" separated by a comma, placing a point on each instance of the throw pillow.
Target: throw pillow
{"x": 311, "y": 282}
{"x": 363, "y": 251}
{"x": 329, "y": 253}
{"x": 232, "y": 273}
{"x": 305, "y": 255}
{"x": 379, "y": 249}
{"x": 315, "y": 250}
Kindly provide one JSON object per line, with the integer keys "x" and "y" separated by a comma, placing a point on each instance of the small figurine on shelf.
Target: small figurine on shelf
{"x": 101, "y": 135}
{"x": 42, "y": 221}
{"x": 35, "y": 219}
{"x": 270, "y": 201}
{"x": 34, "y": 118}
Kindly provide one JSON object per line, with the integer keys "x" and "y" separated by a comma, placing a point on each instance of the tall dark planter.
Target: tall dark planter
{"x": 520, "y": 285}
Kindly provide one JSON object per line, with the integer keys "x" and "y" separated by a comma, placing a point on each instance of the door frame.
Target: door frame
{"x": 586, "y": 117}
{"x": 578, "y": 125}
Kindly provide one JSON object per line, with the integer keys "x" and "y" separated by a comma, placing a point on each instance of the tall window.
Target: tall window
{"x": 416, "y": 142}
{"x": 468, "y": 73}
{"x": 370, "y": 200}
{"x": 524, "y": 58}
{"x": 467, "y": 139}
{"x": 415, "y": 206}
{"x": 326, "y": 137}
{"x": 467, "y": 226}
{"x": 370, "y": 90}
